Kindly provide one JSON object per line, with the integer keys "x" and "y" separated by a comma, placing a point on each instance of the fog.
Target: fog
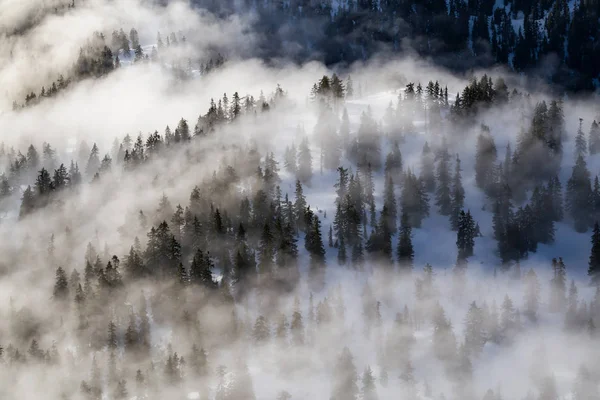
{"x": 527, "y": 355}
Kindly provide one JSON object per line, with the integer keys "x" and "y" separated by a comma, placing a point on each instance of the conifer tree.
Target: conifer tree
{"x": 406, "y": 251}
{"x": 458, "y": 196}
{"x": 474, "y": 330}
{"x": 300, "y": 206}
{"x": 580, "y": 142}
{"x": 261, "y": 332}
{"x": 578, "y": 195}
{"x": 558, "y": 286}
{"x": 532, "y": 295}
{"x": 594, "y": 263}
{"x": 389, "y": 203}
{"x": 594, "y": 138}
{"x": 304, "y": 173}
{"x": 485, "y": 158}
{"x": 201, "y": 270}
{"x": 414, "y": 199}
{"x": 465, "y": 237}
{"x": 61, "y": 285}
{"x": 443, "y": 198}
{"x": 344, "y": 386}
{"x": 369, "y": 391}
{"x": 267, "y": 252}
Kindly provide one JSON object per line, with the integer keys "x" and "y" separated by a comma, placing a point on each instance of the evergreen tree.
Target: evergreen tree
{"x": 594, "y": 138}
{"x": 458, "y": 196}
{"x": 304, "y": 173}
{"x": 201, "y": 270}
{"x": 558, "y": 286}
{"x": 414, "y": 199}
{"x": 344, "y": 386}
{"x": 406, "y": 251}
{"x": 594, "y": 263}
{"x": 474, "y": 330}
{"x": 443, "y": 191}
{"x": 465, "y": 237}
{"x": 580, "y": 142}
{"x": 61, "y": 285}
{"x": 579, "y": 191}
{"x": 369, "y": 391}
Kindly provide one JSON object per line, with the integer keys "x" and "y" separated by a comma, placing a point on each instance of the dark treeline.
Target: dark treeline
{"x": 457, "y": 34}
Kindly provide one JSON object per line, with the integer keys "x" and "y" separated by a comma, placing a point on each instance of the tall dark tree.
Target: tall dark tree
{"x": 594, "y": 263}
{"x": 61, "y": 285}
{"x": 406, "y": 252}
{"x": 458, "y": 196}
{"x": 579, "y": 191}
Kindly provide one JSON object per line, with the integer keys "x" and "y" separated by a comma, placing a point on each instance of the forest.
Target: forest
{"x": 181, "y": 221}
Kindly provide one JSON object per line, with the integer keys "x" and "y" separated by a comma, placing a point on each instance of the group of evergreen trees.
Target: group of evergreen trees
{"x": 456, "y": 33}
{"x": 216, "y": 267}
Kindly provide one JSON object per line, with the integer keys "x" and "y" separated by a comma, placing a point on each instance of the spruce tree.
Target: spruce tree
{"x": 458, "y": 196}
{"x": 532, "y": 295}
{"x": 443, "y": 198}
{"x": 369, "y": 390}
{"x": 389, "y": 203}
{"x": 580, "y": 142}
{"x": 558, "y": 286}
{"x": 579, "y": 191}
{"x": 485, "y": 158}
{"x": 61, "y": 285}
{"x": 344, "y": 386}
{"x": 406, "y": 251}
{"x": 304, "y": 173}
{"x": 594, "y": 263}
{"x": 594, "y": 138}
{"x": 300, "y": 206}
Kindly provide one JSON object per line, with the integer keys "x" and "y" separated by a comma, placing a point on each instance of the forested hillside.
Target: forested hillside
{"x": 188, "y": 213}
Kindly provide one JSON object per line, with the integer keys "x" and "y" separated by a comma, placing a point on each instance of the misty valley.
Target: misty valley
{"x": 299, "y": 199}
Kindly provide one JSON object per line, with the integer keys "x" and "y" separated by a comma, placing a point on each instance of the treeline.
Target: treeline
{"x": 458, "y": 34}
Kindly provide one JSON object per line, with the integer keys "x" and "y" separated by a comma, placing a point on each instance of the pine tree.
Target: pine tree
{"x": 112, "y": 341}
{"x": 300, "y": 206}
{"x": 61, "y": 285}
{"x": 594, "y": 138}
{"x": 389, "y": 203}
{"x": 558, "y": 286}
{"x": 414, "y": 200}
{"x": 201, "y": 270}
{"x": 369, "y": 391}
{"x": 594, "y": 263}
{"x": 465, "y": 237}
{"x": 579, "y": 191}
{"x": 443, "y": 198}
{"x": 304, "y": 173}
{"x": 458, "y": 196}
{"x": 474, "y": 330}
{"x": 485, "y": 158}
{"x": 261, "y": 332}
{"x": 580, "y": 142}
{"x": 314, "y": 245}
{"x": 344, "y": 386}
{"x": 406, "y": 251}
{"x": 267, "y": 252}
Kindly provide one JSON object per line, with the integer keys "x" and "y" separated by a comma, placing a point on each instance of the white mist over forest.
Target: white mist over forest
{"x": 183, "y": 216}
